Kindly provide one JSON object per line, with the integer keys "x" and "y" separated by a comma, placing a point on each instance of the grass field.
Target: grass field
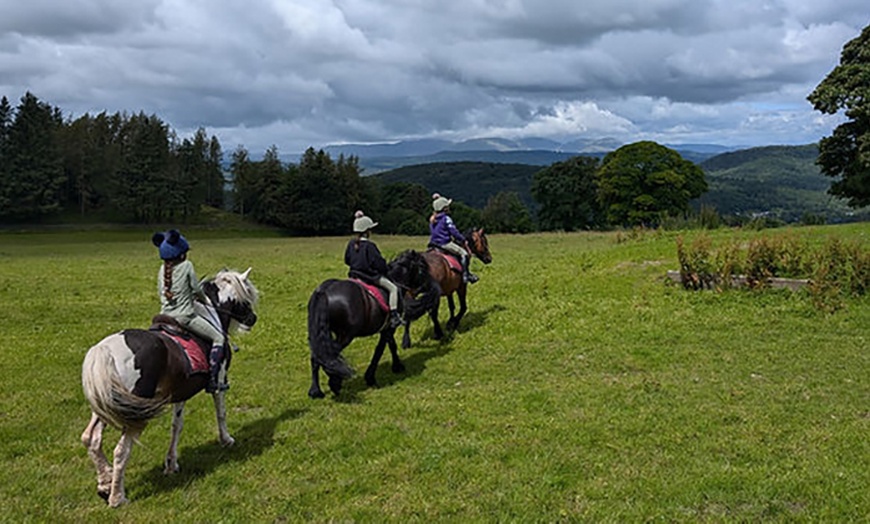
{"x": 581, "y": 387}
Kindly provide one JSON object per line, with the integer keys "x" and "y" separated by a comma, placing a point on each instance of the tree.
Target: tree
{"x": 505, "y": 213}
{"x": 845, "y": 155}
{"x": 567, "y": 194}
{"x": 640, "y": 183}
{"x": 33, "y": 171}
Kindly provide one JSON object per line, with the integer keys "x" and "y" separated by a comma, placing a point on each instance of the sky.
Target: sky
{"x": 309, "y": 73}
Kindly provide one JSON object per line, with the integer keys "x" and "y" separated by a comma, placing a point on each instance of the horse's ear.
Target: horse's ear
{"x": 157, "y": 239}
{"x": 246, "y": 273}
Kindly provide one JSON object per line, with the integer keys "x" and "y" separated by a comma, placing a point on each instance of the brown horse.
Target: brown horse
{"x": 449, "y": 281}
{"x": 131, "y": 376}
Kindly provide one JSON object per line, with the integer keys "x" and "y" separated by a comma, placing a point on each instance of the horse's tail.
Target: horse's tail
{"x": 324, "y": 350}
{"x": 109, "y": 397}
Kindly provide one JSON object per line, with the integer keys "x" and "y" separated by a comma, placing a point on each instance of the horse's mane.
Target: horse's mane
{"x": 417, "y": 270}
{"x": 244, "y": 289}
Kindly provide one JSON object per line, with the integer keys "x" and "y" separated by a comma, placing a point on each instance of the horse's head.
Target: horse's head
{"x": 409, "y": 270}
{"x": 235, "y": 297}
{"x": 479, "y": 245}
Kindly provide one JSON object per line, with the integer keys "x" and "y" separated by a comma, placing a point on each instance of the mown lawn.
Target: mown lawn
{"x": 580, "y": 387}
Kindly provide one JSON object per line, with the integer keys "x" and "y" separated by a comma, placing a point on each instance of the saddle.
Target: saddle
{"x": 451, "y": 258}
{"x": 194, "y": 347}
{"x": 377, "y": 292}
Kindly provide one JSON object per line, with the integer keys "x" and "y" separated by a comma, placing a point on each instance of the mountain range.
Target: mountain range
{"x": 379, "y": 157}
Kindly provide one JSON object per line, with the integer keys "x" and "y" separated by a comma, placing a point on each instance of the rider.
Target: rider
{"x": 178, "y": 286}
{"x": 366, "y": 263}
{"x": 443, "y": 232}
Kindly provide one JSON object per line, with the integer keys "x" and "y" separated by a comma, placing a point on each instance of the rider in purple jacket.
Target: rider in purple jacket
{"x": 443, "y": 232}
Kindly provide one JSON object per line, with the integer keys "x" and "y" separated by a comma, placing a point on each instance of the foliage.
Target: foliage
{"x": 845, "y": 155}
{"x": 505, "y": 213}
{"x": 581, "y": 389}
{"x": 129, "y": 166}
{"x": 473, "y": 183}
{"x": 32, "y": 175}
{"x": 641, "y": 183}
{"x": 834, "y": 269}
{"x": 567, "y": 194}
{"x": 782, "y": 182}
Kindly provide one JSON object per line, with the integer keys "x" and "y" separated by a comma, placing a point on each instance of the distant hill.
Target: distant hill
{"x": 376, "y": 158}
{"x": 471, "y": 183}
{"x": 778, "y": 181}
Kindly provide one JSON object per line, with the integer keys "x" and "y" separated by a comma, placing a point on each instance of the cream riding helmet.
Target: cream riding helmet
{"x": 440, "y": 203}
{"x": 362, "y": 223}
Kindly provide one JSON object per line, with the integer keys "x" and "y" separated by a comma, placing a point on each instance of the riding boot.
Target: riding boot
{"x": 215, "y": 359}
{"x": 467, "y": 275}
{"x": 395, "y": 319}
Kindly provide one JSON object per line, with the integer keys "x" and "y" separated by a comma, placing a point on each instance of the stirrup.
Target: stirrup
{"x": 395, "y": 319}
{"x": 471, "y": 278}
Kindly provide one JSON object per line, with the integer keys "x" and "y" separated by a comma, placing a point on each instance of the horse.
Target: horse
{"x": 342, "y": 310}
{"x": 131, "y": 376}
{"x": 448, "y": 278}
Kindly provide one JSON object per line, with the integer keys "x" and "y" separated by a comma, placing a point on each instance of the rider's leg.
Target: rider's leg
{"x": 464, "y": 261}
{"x": 393, "y": 300}
{"x": 216, "y": 354}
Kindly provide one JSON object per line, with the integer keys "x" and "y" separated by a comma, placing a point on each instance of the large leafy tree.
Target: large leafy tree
{"x": 567, "y": 195}
{"x": 845, "y": 155}
{"x": 505, "y": 213}
{"x": 640, "y": 183}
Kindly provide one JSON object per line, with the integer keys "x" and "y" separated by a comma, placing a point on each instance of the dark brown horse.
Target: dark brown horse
{"x": 131, "y": 376}
{"x": 449, "y": 281}
{"x": 342, "y": 310}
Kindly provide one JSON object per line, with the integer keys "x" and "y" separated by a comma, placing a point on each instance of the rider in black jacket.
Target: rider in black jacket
{"x": 366, "y": 263}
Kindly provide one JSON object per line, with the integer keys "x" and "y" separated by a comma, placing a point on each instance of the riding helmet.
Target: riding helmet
{"x": 172, "y": 244}
{"x": 362, "y": 223}
{"x": 439, "y": 203}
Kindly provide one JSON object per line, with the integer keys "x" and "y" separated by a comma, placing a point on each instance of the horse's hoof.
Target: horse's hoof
{"x": 316, "y": 394}
{"x": 117, "y": 502}
{"x": 170, "y": 468}
{"x": 228, "y": 442}
{"x": 398, "y": 367}
{"x": 371, "y": 382}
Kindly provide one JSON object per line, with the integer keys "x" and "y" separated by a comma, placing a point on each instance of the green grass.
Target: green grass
{"x": 580, "y": 387}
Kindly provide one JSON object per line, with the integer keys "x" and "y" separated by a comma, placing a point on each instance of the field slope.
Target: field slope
{"x": 581, "y": 387}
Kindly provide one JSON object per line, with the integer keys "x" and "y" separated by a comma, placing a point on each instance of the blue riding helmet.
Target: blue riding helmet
{"x": 172, "y": 244}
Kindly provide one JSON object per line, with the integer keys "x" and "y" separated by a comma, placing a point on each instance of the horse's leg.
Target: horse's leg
{"x": 314, "y": 391}
{"x": 406, "y": 338}
{"x": 463, "y": 307}
{"x": 121, "y": 456}
{"x": 451, "y": 322}
{"x": 437, "y": 332}
{"x": 398, "y": 367}
{"x": 92, "y": 438}
{"x": 220, "y": 410}
{"x": 170, "y": 465}
{"x": 376, "y": 358}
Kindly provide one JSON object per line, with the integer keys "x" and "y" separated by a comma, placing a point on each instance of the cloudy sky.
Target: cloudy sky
{"x": 300, "y": 73}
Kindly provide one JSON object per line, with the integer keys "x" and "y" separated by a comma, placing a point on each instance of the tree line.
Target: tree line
{"x": 134, "y": 168}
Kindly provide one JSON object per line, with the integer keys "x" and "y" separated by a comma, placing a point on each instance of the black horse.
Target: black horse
{"x": 342, "y": 310}
{"x": 448, "y": 279}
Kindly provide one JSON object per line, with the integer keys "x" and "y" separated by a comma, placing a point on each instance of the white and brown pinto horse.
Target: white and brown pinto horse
{"x": 131, "y": 376}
